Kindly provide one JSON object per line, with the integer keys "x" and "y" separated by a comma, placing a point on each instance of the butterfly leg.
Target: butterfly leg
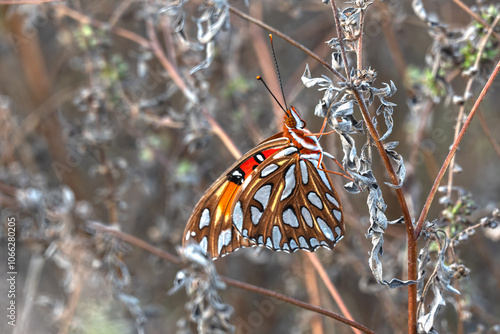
{"x": 319, "y": 166}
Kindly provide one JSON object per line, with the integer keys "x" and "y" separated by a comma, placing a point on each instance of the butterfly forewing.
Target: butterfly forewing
{"x": 289, "y": 204}
{"x": 211, "y": 224}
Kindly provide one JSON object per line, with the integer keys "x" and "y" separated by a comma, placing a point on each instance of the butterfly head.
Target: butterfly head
{"x": 293, "y": 120}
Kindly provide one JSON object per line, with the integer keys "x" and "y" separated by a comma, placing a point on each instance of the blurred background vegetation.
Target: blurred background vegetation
{"x": 97, "y": 125}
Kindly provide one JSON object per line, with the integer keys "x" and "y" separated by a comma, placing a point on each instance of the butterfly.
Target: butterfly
{"x": 277, "y": 195}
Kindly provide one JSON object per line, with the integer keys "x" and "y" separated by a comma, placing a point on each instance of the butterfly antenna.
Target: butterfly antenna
{"x": 277, "y": 69}
{"x": 275, "y": 99}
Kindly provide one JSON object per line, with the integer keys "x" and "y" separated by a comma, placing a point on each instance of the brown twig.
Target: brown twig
{"x": 331, "y": 288}
{"x": 458, "y": 125}
{"x": 475, "y": 17}
{"x": 130, "y": 239}
{"x": 481, "y": 47}
{"x": 288, "y": 39}
{"x": 312, "y": 288}
{"x": 453, "y": 150}
{"x": 169, "y": 67}
{"x": 222, "y": 135}
{"x": 340, "y": 38}
{"x": 270, "y": 293}
{"x": 245, "y": 286}
{"x": 412, "y": 241}
{"x": 77, "y": 16}
{"x": 38, "y": 81}
{"x": 359, "y": 51}
{"x": 118, "y": 12}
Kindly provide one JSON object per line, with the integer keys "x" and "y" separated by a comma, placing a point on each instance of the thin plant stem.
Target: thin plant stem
{"x": 314, "y": 294}
{"x": 132, "y": 240}
{"x": 288, "y": 39}
{"x": 331, "y": 288}
{"x": 169, "y": 67}
{"x": 340, "y": 38}
{"x": 411, "y": 240}
{"x": 118, "y": 12}
{"x": 296, "y": 302}
{"x": 235, "y": 152}
{"x": 482, "y": 46}
{"x": 127, "y": 34}
{"x": 359, "y": 51}
{"x": 457, "y": 129}
{"x": 475, "y": 16}
{"x": 453, "y": 150}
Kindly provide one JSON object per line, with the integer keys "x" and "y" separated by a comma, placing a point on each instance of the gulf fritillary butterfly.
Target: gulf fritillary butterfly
{"x": 274, "y": 196}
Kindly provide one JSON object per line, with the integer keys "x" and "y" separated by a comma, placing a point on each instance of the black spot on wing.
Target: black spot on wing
{"x": 236, "y": 176}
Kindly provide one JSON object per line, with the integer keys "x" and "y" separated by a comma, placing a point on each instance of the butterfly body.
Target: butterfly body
{"x": 274, "y": 196}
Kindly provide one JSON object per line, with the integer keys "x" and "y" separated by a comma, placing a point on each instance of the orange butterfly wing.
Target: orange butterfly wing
{"x": 211, "y": 223}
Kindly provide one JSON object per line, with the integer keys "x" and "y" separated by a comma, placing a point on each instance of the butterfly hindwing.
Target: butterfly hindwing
{"x": 211, "y": 224}
{"x": 289, "y": 204}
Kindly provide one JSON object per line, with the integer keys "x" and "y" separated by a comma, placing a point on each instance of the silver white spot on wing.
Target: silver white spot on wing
{"x": 262, "y": 195}
{"x": 255, "y": 214}
{"x": 285, "y": 152}
{"x": 303, "y": 243}
{"x": 204, "y": 244}
{"x": 327, "y": 231}
{"x": 307, "y": 216}
{"x": 324, "y": 178}
{"x": 238, "y": 216}
{"x": 290, "y": 218}
{"x": 315, "y": 200}
{"x": 237, "y": 174}
{"x": 259, "y": 157}
{"x": 325, "y": 244}
{"x": 276, "y": 237}
{"x": 290, "y": 182}
{"x": 269, "y": 243}
{"x": 332, "y": 200}
{"x": 303, "y": 171}
{"x": 260, "y": 241}
{"x": 205, "y": 219}
{"x": 224, "y": 239}
{"x": 245, "y": 233}
{"x": 314, "y": 242}
{"x": 285, "y": 247}
{"x": 268, "y": 170}
{"x": 293, "y": 245}
{"x": 338, "y": 231}
{"x": 193, "y": 233}
{"x": 337, "y": 214}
